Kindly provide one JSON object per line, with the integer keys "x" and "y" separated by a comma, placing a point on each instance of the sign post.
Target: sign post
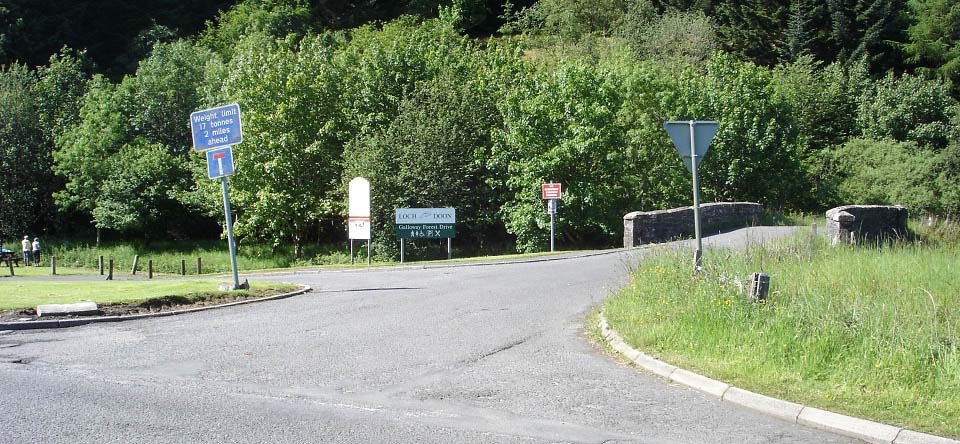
{"x": 426, "y": 223}
{"x": 214, "y": 131}
{"x": 230, "y": 241}
{"x": 692, "y": 139}
{"x": 359, "y": 216}
{"x": 551, "y": 193}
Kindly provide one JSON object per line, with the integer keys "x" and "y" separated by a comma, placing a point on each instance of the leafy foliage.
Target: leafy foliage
{"x": 276, "y": 18}
{"x": 562, "y": 127}
{"x": 886, "y": 173}
{"x": 908, "y": 108}
{"x": 934, "y": 41}
{"x": 146, "y": 111}
{"x": 24, "y": 156}
{"x": 676, "y": 38}
{"x": 290, "y": 157}
{"x": 434, "y": 118}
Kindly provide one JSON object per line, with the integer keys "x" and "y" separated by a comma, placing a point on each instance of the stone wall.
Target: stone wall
{"x": 859, "y": 223}
{"x": 664, "y": 225}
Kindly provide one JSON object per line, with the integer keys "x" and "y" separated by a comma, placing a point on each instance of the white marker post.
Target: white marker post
{"x": 358, "y": 219}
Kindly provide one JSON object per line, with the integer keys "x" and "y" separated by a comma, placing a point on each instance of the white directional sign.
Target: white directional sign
{"x": 359, "y": 218}
{"x": 703, "y": 133}
{"x": 219, "y": 162}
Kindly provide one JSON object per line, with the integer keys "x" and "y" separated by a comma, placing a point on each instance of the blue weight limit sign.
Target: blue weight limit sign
{"x": 216, "y": 127}
{"x": 220, "y": 163}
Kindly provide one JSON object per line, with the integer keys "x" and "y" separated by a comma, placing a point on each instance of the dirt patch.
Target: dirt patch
{"x": 157, "y": 305}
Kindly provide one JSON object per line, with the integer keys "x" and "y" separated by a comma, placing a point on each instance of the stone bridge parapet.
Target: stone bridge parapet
{"x": 870, "y": 223}
{"x": 664, "y": 225}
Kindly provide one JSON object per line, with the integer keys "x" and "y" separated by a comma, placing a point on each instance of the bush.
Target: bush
{"x": 886, "y": 172}
{"x": 909, "y": 108}
{"x": 563, "y": 126}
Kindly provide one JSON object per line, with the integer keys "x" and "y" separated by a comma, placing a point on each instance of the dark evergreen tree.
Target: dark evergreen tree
{"x": 934, "y": 39}
{"x": 799, "y": 36}
{"x": 868, "y": 30}
{"x": 753, "y": 29}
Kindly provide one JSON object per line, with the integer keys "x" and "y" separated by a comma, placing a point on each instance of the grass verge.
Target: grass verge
{"x": 869, "y": 332}
{"x": 21, "y": 294}
{"x": 44, "y": 271}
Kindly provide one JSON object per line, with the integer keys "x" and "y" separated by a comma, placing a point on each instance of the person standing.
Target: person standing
{"x": 36, "y": 251}
{"x": 26, "y": 247}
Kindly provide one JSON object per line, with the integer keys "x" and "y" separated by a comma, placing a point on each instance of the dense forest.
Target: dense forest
{"x": 469, "y": 104}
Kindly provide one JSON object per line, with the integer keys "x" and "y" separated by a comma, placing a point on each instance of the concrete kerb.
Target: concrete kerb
{"x": 73, "y": 322}
{"x": 866, "y": 430}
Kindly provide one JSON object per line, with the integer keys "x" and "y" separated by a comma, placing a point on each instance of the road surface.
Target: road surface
{"x": 464, "y": 354}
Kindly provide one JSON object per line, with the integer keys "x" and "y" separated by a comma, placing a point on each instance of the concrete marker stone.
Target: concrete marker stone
{"x": 80, "y": 308}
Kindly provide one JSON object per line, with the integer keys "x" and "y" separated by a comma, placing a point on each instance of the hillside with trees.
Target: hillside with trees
{"x": 469, "y": 104}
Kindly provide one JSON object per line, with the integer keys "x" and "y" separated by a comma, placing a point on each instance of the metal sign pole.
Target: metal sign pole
{"x": 351, "y": 251}
{"x": 553, "y": 210}
{"x": 449, "y": 249}
{"x": 401, "y": 250}
{"x": 233, "y": 245}
{"x": 698, "y": 255}
{"x": 368, "y": 251}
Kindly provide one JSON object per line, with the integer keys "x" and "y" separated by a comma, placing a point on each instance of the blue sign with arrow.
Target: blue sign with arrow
{"x": 220, "y": 163}
{"x": 216, "y": 127}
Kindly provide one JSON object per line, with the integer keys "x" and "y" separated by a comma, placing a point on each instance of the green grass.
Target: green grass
{"x": 27, "y": 294}
{"x": 81, "y": 258}
{"x": 872, "y": 332}
{"x": 43, "y": 271}
{"x": 792, "y": 219}
{"x": 166, "y": 256}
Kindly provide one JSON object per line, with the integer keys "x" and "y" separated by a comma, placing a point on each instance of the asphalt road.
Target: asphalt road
{"x": 464, "y": 354}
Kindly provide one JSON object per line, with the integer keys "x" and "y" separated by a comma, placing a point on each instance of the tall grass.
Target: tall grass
{"x": 868, "y": 331}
